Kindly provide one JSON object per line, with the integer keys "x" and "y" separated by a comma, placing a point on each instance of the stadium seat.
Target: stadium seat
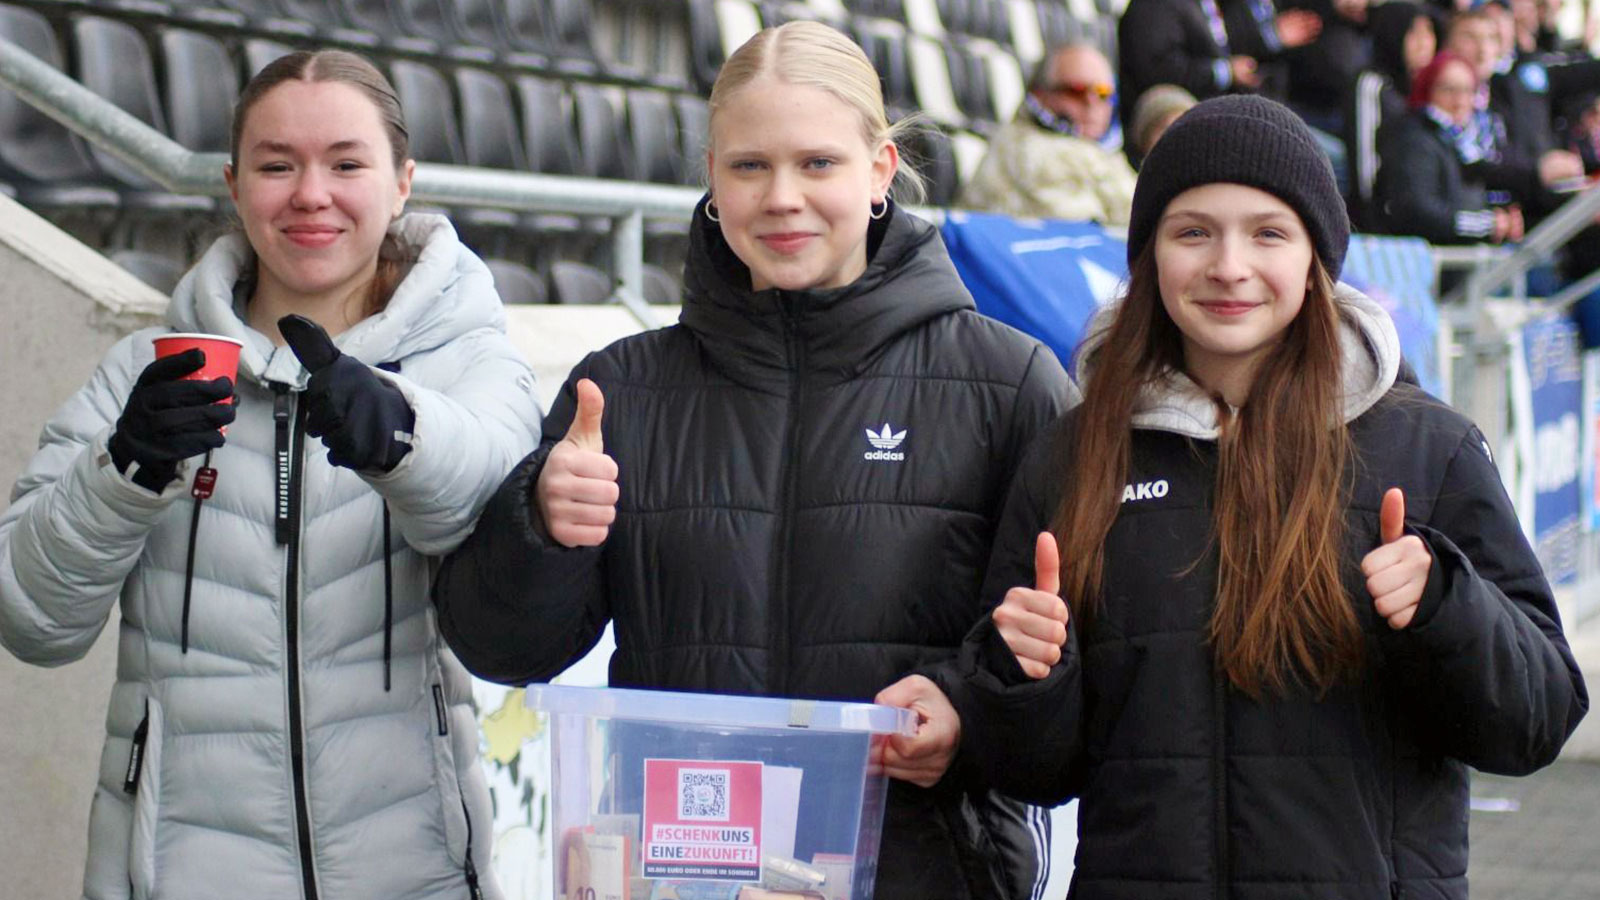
{"x": 267, "y": 17}
{"x": 969, "y": 83}
{"x": 659, "y": 286}
{"x": 48, "y": 165}
{"x": 931, "y": 151}
{"x": 516, "y": 283}
{"x": 653, "y": 132}
{"x": 258, "y": 52}
{"x": 705, "y": 43}
{"x": 578, "y": 283}
{"x": 694, "y": 125}
{"x": 114, "y": 61}
{"x": 1026, "y": 37}
{"x": 570, "y": 37}
{"x": 930, "y": 74}
{"x": 430, "y": 112}
{"x": 158, "y": 270}
{"x": 489, "y": 136}
{"x": 201, "y": 86}
{"x": 603, "y": 150}
{"x": 922, "y": 17}
{"x": 737, "y": 22}
{"x": 1057, "y": 26}
{"x": 546, "y": 126}
{"x": 526, "y": 31}
{"x": 329, "y": 23}
{"x": 885, "y": 45}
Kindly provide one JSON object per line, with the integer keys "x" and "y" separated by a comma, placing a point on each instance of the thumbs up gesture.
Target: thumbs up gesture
{"x": 1398, "y": 568}
{"x": 1033, "y": 620}
{"x": 364, "y": 420}
{"x": 577, "y": 490}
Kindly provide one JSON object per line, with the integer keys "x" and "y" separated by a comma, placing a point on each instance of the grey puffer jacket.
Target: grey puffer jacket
{"x": 315, "y": 739}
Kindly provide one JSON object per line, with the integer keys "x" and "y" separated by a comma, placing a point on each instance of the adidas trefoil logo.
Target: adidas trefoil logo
{"x": 885, "y": 444}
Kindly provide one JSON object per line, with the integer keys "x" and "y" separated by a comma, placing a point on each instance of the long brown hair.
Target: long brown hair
{"x": 1282, "y": 615}
{"x": 345, "y": 68}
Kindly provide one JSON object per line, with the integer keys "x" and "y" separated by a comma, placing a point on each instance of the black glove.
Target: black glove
{"x": 356, "y": 413}
{"x": 167, "y": 419}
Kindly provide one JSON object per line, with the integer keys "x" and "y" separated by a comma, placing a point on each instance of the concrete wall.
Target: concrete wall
{"x": 63, "y": 306}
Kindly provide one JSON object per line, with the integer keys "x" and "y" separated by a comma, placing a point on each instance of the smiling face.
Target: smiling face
{"x": 316, "y": 187}
{"x": 1233, "y": 264}
{"x": 794, "y": 178}
{"x": 1453, "y": 90}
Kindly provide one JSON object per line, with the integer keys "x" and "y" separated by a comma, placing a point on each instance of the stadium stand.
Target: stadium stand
{"x": 612, "y": 89}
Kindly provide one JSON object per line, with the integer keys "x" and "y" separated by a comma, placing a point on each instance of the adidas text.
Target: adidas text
{"x": 885, "y": 445}
{"x": 873, "y": 455}
{"x": 1145, "y": 490}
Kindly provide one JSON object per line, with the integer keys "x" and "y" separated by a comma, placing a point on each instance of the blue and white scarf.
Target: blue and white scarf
{"x": 1048, "y": 120}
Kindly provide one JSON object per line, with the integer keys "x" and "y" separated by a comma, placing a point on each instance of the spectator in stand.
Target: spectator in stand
{"x": 1156, "y": 111}
{"x": 1549, "y": 39}
{"x": 1403, "y": 43}
{"x": 1321, "y": 73}
{"x": 1257, "y": 29}
{"x": 1181, "y": 42}
{"x": 707, "y": 487}
{"x": 1438, "y": 164}
{"x": 1520, "y": 98}
{"x": 1055, "y": 159}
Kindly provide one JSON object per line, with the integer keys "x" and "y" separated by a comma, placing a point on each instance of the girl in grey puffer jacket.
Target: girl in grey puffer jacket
{"x": 285, "y": 722}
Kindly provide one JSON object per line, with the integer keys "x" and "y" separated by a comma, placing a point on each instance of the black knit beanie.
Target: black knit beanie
{"x": 1249, "y": 140}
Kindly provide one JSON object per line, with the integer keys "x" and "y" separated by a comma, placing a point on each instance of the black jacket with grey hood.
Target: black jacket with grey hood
{"x": 810, "y": 482}
{"x": 1189, "y": 789}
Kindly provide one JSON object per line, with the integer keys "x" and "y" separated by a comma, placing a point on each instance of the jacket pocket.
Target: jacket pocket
{"x": 452, "y": 809}
{"x": 143, "y": 780}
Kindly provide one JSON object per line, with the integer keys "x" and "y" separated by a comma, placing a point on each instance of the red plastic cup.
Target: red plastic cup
{"x": 222, "y": 354}
{"x": 222, "y": 357}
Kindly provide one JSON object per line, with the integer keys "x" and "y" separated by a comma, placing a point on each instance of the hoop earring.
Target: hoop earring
{"x": 711, "y": 212}
{"x": 876, "y": 211}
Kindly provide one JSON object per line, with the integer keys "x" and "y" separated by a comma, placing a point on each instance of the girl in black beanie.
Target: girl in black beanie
{"x": 1260, "y": 603}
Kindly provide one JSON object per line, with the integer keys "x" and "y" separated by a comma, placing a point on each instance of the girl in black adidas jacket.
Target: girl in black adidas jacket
{"x": 794, "y": 490}
{"x": 1300, "y": 603}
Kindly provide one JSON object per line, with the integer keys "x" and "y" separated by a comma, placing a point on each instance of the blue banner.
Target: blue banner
{"x": 1398, "y": 274}
{"x": 1551, "y": 378}
{"x": 1048, "y": 277}
{"x": 1044, "y": 277}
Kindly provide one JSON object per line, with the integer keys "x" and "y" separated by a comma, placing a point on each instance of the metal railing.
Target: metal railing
{"x": 183, "y": 171}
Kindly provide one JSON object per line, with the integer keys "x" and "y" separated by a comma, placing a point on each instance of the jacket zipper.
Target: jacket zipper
{"x": 778, "y": 615}
{"x": 289, "y": 423}
{"x": 1221, "y": 888}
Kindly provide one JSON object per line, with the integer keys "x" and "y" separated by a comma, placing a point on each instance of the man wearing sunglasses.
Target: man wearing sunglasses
{"x": 1060, "y": 156}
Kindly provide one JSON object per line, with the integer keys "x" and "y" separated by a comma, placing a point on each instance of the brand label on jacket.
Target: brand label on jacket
{"x": 1145, "y": 490}
{"x": 885, "y": 445}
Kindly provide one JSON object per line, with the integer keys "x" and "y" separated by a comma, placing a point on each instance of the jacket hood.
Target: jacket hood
{"x": 1371, "y": 354}
{"x": 416, "y": 319}
{"x": 1388, "y": 23}
{"x": 909, "y": 279}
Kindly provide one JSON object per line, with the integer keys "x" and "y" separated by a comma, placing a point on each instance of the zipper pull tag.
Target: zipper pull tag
{"x": 205, "y": 483}
{"x": 130, "y": 781}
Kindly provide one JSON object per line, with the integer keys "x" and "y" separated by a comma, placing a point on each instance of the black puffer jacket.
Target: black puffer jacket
{"x": 1188, "y": 789}
{"x": 810, "y": 483}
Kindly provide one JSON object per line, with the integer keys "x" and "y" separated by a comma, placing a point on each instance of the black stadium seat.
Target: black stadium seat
{"x": 653, "y": 131}
{"x": 516, "y": 283}
{"x": 546, "y": 126}
{"x": 570, "y": 38}
{"x": 694, "y": 125}
{"x": 201, "y": 85}
{"x": 489, "y": 135}
{"x": 48, "y": 165}
{"x": 268, "y": 17}
{"x": 602, "y": 143}
{"x": 114, "y": 61}
{"x": 430, "y": 112}
{"x": 578, "y": 283}
{"x": 258, "y": 52}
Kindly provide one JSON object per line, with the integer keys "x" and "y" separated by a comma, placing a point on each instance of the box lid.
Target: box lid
{"x": 721, "y": 709}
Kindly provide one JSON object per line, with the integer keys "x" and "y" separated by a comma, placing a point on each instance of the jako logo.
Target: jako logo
{"x": 1145, "y": 490}
{"x": 884, "y": 442}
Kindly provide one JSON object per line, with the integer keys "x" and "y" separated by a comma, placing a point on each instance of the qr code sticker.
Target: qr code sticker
{"x": 703, "y": 795}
